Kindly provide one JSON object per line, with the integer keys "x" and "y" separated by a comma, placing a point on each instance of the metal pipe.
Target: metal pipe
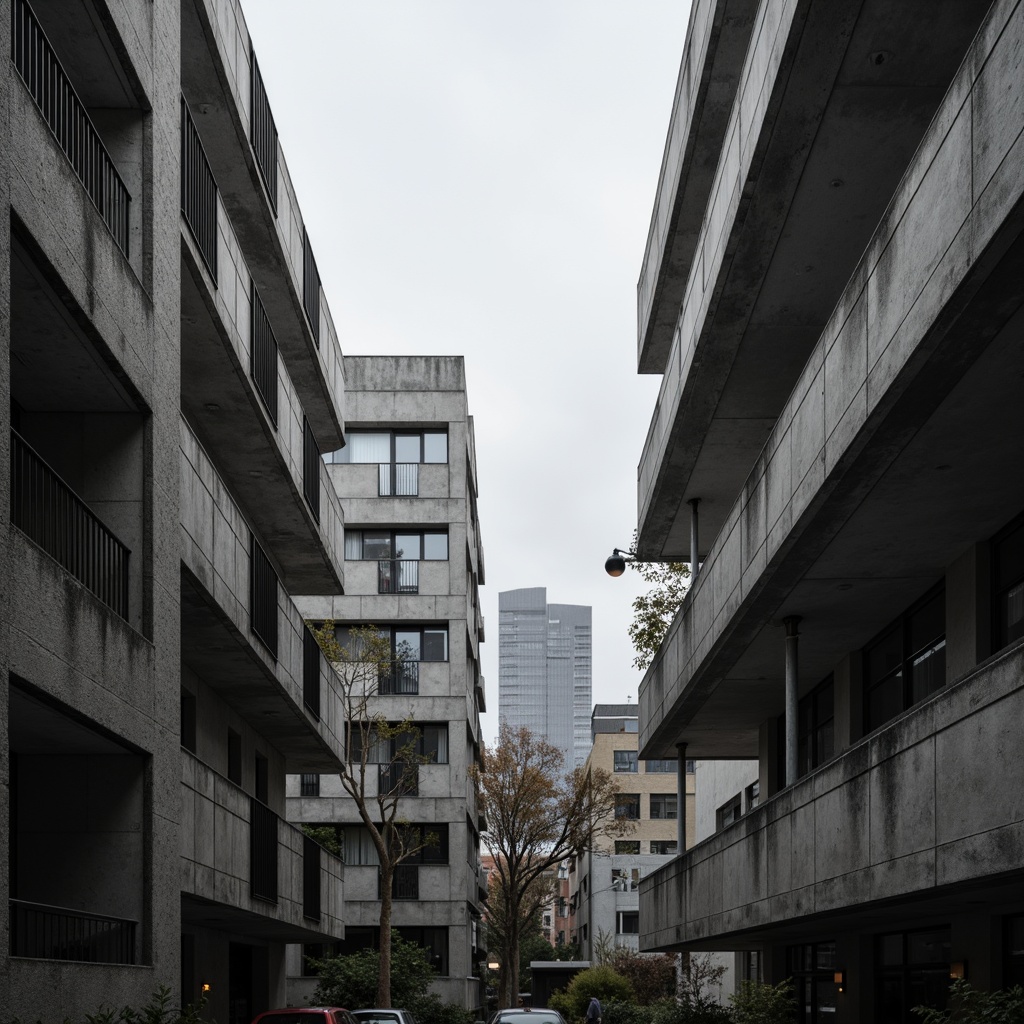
{"x": 681, "y": 808}
{"x": 694, "y": 540}
{"x": 792, "y": 696}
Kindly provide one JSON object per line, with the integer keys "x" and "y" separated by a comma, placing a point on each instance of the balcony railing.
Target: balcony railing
{"x": 400, "y": 677}
{"x": 401, "y": 479}
{"x": 310, "y": 288}
{"x": 198, "y": 191}
{"x": 263, "y": 132}
{"x": 405, "y": 883}
{"x": 398, "y": 576}
{"x": 310, "y": 469}
{"x": 262, "y": 851}
{"x": 399, "y": 779}
{"x": 66, "y": 116}
{"x": 56, "y": 933}
{"x": 310, "y": 879}
{"x": 311, "y": 656}
{"x": 263, "y": 354}
{"x": 49, "y": 513}
{"x": 262, "y": 596}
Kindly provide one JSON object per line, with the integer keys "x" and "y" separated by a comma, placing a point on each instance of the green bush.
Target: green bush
{"x": 429, "y": 1009}
{"x": 608, "y": 985}
{"x": 760, "y": 1003}
{"x": 972, "y": 1006}
{"x": 157, "y": 1011}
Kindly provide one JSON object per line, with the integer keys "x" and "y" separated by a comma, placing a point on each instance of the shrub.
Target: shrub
{"x": 760, "y": 1003}
{"x": 604, "y": 982}
{"x": 157, "y": 1011}
{"x": 972, "y": 1006}
{"x": 652, "y": 975}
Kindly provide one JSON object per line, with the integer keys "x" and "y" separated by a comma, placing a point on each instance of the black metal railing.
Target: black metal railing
{"x": 309, "y": 784}
{"x": 405, "y": 883}
{"x": 263, "y": 132}
{"x": 398, "y": 576}
{"x": 198, "y": 191}
{"x": 310, "y": 879}
{"x": 311, "y": 469}
{"x": 263, "y": 353}
{"x": 311, "y": 655}
{"x": 310, "y": 288}
{"x": 49, "y": 513}
{"x": 262, "y": 851}
{"x": 262, "y": 596}
{"x": 57, "y": 933}
{"x": 399, "y": 779}
{"x": 399, "y": 479}
{"x": 66, "y": 116}
{"x": 400, "y": 677}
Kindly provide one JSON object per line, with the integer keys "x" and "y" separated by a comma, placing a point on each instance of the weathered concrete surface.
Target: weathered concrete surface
{"x": 836, "y": 521}
{"x": 831, "y": 104}
{"x": 927, "y": 803}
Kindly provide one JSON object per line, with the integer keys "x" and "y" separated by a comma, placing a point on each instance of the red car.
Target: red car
{"x": 306, "y": 1015}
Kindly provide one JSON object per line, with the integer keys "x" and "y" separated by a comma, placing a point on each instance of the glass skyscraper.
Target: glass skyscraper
{"x": 544, "y": 669}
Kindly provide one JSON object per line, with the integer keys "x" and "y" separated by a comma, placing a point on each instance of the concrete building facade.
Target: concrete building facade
{"x": 605, "y": 881}
{"x": 413, "y": 565}
{"x": 832, "y": 290}
{"x": 544, "y": 669}
{"x": 170, "y": 373}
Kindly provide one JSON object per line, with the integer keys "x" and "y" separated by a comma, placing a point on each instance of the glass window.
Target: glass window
{"x": 435, "y": 446}
{"x": 435, "y": 547}
{"x": 913, "y": 970}
{"x": 753, "y": 793}
{"x": 365, "y": 447}
{"x": 407, "y": 447}
{"x": 408, "y": 546}
{"x": 662, "y": 767}
{"x": 627, "y": 805}
{"x": 1013, "y": 969}
{"x": 813, "y": 967}
{"x": 408, "y": 644}
{"x": 729, "y": 812}
{"x": 433, "y": 743}
{"x": 664, "y": 846}
{"x": 815, "y": 737}
{"x": 1008, "y": 584}
{"x": 376, "y": 544}
{"x": 625, "y": 761}
{"x": 664, "y": 806}
{"x": 627, "y": 846}
{"x": 627, "y": 922}
{"x": 435, "y": 645}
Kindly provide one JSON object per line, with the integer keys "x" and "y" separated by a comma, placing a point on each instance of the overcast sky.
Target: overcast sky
{"x": 477, "y": 178}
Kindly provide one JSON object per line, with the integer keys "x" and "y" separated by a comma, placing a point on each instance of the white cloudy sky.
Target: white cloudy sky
{"x": 477, "y": 178}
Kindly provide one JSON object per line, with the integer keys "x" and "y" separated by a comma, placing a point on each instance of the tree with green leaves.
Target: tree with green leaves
{"x": 537, "y": 816}
{"x": 969, "y": 1005}
{"x": 382, "y": 759}
{"x": 654, "y": 611}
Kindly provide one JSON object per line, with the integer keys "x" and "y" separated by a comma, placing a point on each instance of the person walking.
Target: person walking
{"x": 594, "y": 1011}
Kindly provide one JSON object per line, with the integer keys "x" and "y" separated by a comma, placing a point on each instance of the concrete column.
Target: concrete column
{"x": 792, "y": 696}
{"x": 681, "y": 801}
{"x": 694, "y": 540}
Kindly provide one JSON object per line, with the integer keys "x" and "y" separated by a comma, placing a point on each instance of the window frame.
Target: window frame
{"x": 393, "y": 533}
{"x": 665, "y": 812}
{"x": 393, "y": 433}
{"x": 1002, "y": 588}
{"x": 625, "y": 802}
{"x": 630, "y": 763}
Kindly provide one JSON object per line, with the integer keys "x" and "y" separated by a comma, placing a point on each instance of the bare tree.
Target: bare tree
{"x": 536, "y": 817}
{"x": 382, "y": 759}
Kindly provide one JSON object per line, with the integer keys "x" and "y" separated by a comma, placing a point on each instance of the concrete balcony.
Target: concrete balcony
{"x": 837, "y": 521}
{"x": 263, "y": 437}
{"x": 217, "y": 81}
{"x": 358, "y": 482}
{"x": 823, "y": 125}
{"x": 219, "y": 857}
{"x": 218, "y": 641}
{"x": 886, "y": 822}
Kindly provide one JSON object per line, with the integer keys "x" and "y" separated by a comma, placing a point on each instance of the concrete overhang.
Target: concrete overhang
{"x": 226, "y": 414}
{"x": 271, "y": 241}
{"x": 716, "y": 44}
{"x": 833, "y": 99}
{"x": 222, "y": 917}
{"x": 226, "y": 660}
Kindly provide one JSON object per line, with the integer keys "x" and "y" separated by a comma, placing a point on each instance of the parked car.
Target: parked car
{"x": 379, "y": 1016}
{"x": 306, "y": 1015}
{"x": 526, "y": 1015}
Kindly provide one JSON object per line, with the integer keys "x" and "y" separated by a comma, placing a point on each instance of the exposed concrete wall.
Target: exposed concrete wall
{"x": 715, "y": 782}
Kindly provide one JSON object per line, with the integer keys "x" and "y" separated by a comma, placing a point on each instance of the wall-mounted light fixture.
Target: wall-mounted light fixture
{"x": 205, "y": 987}
{"x": 840, "y": 979}
{"x": 958, "y": 969}
{"x": 615, "y": 564}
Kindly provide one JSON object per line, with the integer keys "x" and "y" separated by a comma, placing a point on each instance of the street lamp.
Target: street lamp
{"x": 615, "y": 564}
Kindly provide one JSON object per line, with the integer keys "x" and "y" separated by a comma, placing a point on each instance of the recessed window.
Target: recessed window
{"x": 815, "y": 733}
{"x": 389, "y": 446}
{"x": 664, "y": 806}
{"x": 664, "y": 846}
{"x": 729, "y": 812}
{"x": 625, "y": 761}
{"x": 1008, "y": 584}
{"x": 627, "y": 922}
{"x": 627, "y": 805}
{"x": 753, "y": 794}
{"x": 409, "y": 643}
{"x": 421, "y": 545}
{"x": 664, "y": 766}
{"x": 625, "y": 879}
{"x": 627, "y": 846}
{"x": 907, "y": 662}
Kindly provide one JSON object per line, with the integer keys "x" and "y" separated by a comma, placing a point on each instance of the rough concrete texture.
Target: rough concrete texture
{"x": 887, "y": 821}
{"x": 911, "y": 360}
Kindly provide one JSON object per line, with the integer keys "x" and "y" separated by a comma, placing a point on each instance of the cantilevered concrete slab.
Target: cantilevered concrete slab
{"x": 833, "y": 99}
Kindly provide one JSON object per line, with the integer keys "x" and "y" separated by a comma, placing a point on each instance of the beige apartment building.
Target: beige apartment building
{"x": 832, "y": 291}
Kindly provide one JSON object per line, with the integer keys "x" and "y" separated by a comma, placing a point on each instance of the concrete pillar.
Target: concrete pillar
{"x": 694, "y": 540}
{"x": 792, "y": 696}
{"x": 681, "y": 800}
